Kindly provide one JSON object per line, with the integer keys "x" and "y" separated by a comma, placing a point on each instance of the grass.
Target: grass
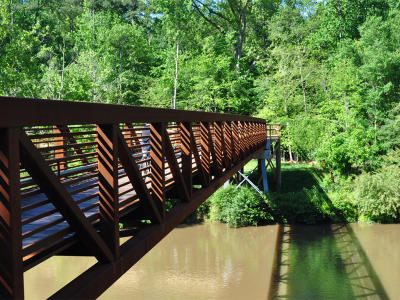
{"x": 296, "y": 177}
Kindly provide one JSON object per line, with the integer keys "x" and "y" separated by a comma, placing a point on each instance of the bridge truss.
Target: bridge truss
{"x": 71, "y": 173}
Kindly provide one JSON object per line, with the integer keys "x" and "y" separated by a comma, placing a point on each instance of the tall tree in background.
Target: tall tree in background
{"x": 327, "y": 70}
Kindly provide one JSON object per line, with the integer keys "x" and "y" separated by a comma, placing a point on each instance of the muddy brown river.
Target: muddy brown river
{"x": 212, "y": 261}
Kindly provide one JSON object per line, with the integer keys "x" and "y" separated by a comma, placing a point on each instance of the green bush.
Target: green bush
{"x": 368, "y": 197}
{"x": 345, "y": 206}
{"x": 239, "y": 207}
{"x": 340, "y": 194}
{"x": 378, "y": 194}
{"x": 244, "y": 206}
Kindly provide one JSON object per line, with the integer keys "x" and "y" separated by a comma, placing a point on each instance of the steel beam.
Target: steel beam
{"x": 186, "y": 154}
{"x": 157, "y": 164}
{"x": 180, "y": 183}
{"x": 206, "y": 142}
{"x": 32, "y": 112}
{"x": 107, "y": 162}
{"x": 136, "y": 179}
{"x": 11, "y": 269}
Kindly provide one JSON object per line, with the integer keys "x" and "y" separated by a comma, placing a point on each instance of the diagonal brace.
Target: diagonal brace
{"x": 136, "y": 179}
{"x": 246, "y": 178}
{"x": 42, "y": 174}
{"x": 197, "y": 159}
{"x": 176, "y": 173}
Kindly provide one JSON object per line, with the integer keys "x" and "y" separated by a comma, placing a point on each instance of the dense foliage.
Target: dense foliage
{"x": 326, "y": 70}
{"x": 239, "y": 207}
{"x": 378, "y": 194}
{"x": 307, "y": 197}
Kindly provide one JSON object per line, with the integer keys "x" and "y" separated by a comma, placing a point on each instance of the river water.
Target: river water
{"x": 212, "y": 261}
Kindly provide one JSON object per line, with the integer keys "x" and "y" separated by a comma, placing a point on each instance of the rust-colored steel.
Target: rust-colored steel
{"x": 93, "y": 282}
{"x": 174, "y": 167}
{"x": 218, "y": 148}
{"x": 49, "y": 112}
{"x": 206, "y": 149}
{"x": 186, "y": 154}
{"x": 157, "y": 152}
{"x": 235, "y": 142}
{"x": 228, "y": 144}
{"x": 107, "y": 160}
{"x": 70, "y": 172}
{"x": 59, "y": 142}
{"x": 11, "y": 279}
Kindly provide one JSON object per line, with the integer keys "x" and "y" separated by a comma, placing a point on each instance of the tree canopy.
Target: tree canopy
{"x": 326, "y": 70}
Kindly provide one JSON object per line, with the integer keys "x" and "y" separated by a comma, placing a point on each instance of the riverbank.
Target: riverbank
{"x": 309, "y": 195}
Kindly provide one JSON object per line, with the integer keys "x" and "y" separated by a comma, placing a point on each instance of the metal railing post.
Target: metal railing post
{"x": 205, "y": 149}
{"x": 186, "y": 154}
{"x": 107, "y": 162}
{"x": 157, "y": 165}
{"x": 11, "y": 268}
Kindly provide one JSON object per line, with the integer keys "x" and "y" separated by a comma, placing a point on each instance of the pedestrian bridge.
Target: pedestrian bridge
{"x": 75, "y": 177}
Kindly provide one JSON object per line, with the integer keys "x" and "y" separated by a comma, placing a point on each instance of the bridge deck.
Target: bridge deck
{"x": 53, "y": 222}
{"x": 70, "y": 173}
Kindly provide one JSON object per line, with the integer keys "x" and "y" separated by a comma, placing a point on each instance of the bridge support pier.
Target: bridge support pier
{"x": 278, "y": 177}
{"x": 265, "y": 161}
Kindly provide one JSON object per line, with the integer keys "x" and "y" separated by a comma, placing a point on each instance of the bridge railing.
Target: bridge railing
{"x": 71, "y": 172}
{"x": 273, "y": 130}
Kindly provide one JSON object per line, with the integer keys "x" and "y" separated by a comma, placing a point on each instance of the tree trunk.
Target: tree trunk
{"x": 176, "y": 74}
{"x": 303, "y": 86}
{"x": 12, "y": 15}
{"x": 290, "y": 153}
{"x": 290, "y": 145}
{"x": 94, "y": 69}
{"x": 286, "y": 106}
{"x": 120, "y": 79}
{"x": 241, "y": 37}
{"x": 346, "y": 107}
{"x": 62, "y": 72}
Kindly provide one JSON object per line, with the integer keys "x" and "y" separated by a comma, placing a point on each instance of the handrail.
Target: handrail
{"x": 35, "y": 112}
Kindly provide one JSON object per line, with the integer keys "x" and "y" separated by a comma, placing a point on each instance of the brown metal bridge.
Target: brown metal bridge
{"x": 72, "y": 172}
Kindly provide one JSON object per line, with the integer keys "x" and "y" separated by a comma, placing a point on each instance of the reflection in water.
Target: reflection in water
{"x": 363, "y": 279}
{"x": 212, "y": 261}
{"x": 381, "y": 243}
{"x": 209, "y": 261}
{"x": 325, "y": 262}
{"x": 315, "y": 270}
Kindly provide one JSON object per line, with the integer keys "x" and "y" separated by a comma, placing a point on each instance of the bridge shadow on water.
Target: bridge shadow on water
{"x": 323, "y": 261}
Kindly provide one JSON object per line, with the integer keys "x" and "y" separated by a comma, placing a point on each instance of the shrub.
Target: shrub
{"x": 341, "y": 196}
{"x": 346, "y": 208}
{"x": 378, "y": 194}
{"x": 219, "y": 203}
{"x": 239, "y": 207}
